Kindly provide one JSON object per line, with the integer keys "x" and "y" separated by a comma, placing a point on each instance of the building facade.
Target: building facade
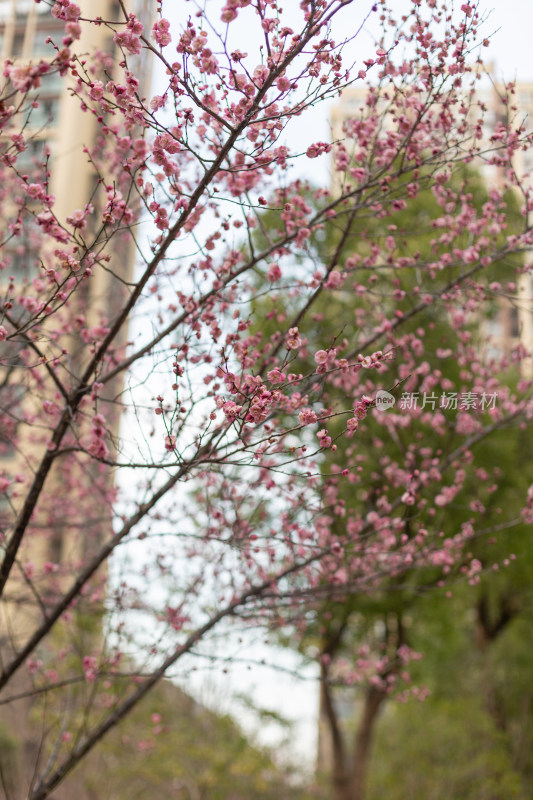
{"x": 58, "y": 135}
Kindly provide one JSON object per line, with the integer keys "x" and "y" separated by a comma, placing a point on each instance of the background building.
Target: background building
{"x": 59, "y": 133}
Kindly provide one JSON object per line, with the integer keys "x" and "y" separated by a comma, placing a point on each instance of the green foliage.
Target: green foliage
{"x": 8, "y": 757}
{"x": 189, "y": 753}
{"x": 442, "y": 749}
{"x": 472, "y": 738}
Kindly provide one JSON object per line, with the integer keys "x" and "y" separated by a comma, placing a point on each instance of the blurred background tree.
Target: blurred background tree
{"x": 471, "y": 738}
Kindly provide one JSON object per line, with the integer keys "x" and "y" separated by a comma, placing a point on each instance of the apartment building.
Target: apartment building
{"x": 54, "y": 123}
{"x": 57, "y": 125}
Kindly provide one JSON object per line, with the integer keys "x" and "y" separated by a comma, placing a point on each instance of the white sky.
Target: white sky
{"x": 511, "y": 45}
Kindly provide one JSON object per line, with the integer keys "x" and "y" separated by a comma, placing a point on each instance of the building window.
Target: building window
{"x": 10, "y": 400}
{"x": 515, "y": 323}
{"x": 40, "y": 46}
{"x": 22, "y": 252}
{"x": 12, "y": 392}
{"x": 31, "y": 159}
{"x": 22, "y": 262}
{"x": 18, "y": 43}
{"x": 51, "y": 83}
{"x": 44, "y": 114}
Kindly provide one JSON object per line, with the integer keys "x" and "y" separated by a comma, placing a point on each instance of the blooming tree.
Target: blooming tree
{"x": 364, "y": 641}
{"x": 210, "y": 497}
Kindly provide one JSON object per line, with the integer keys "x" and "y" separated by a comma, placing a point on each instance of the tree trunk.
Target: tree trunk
{"x": 374, "y": 698}
{"x": 348, "y": 774}
{"x": 340, "y": 777}
{"x": 490, "y": 625}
